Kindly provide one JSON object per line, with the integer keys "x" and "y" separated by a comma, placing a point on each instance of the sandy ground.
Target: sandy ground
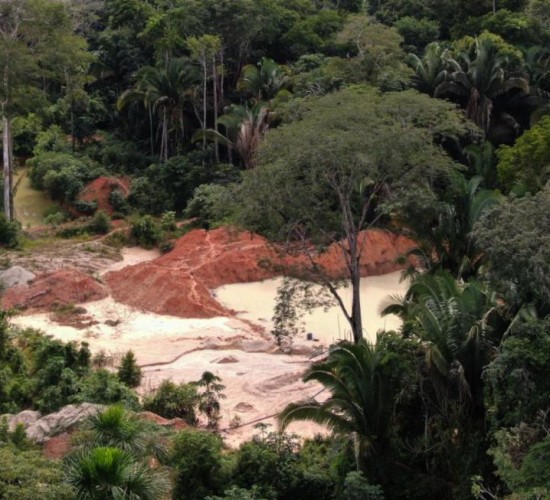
{"x": 256, "y": 301}
{"x": 259, "y": 381}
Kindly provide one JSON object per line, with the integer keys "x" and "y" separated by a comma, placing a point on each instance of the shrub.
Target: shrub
{"x": 168, "y": 221}
{"x": 166, "y": 246}
{"x": 118, "y": 202}
{"x": 196, "y": 456}
{"x": 9, "y": 232}
{"x": 104, "y": 387}
{"x": 101, "y": 223}
{"x": 211, "y": 204}
{"x": 129, "y": 372}
{"x": 85, "y": 207}
{"x": 145, "y": 232}
{"x": 171, "y": 400}
{"x": 55, "y": 218}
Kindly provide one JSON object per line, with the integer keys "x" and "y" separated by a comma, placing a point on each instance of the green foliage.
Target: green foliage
{"x": 103, "y": 387}
{"x": 211, "y": 204}
{"x": 417, "y": 32}
{"x": 9, "y": 232}
{"x": 51, "y": 140}
{"x": 61, "y": 175}
{"x": 129, "y": 372}
{"x": 85, "y": 207}
{"x": 169, "y": 186}
{"x": 110, "y": 473}
{"x": 27, "y": 474}
{"x": 356, "y": 487}
{"x": 314, "y": 33}
{"x": 197, "y": 460}
{"x": 101, "y": 223}
{"x": 145, "y": 231}
{"x": 119, "y": 202}
{"x": 515, "y": 240}
{"x": 174, "y": 401}
{"x": 525, "y": 166}
{"x": 25, "y": 130}
{"x": 518, "y": 380}
{"x": 211, "y": 391}
{"x": 522, "y": 457}
{"x": 119, "y": 428}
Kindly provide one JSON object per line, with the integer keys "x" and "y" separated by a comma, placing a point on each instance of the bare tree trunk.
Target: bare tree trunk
{"x": 204, "y": 91}
{"x": 215, "y": 101}
{"x": 7, "y": 167}
{"x": 355, "y": 276}
{"x": 12, "y": 165}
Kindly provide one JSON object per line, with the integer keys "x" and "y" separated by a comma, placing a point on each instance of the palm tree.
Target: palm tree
{"x": 483, "y": 162}
{"x": 448, "y": 243}
{"x": 361, "y": 398}
{"x": 209, "y": 399}
{"x": 263, "y": 80}
{"x": 477, "y": 79}
{"x": 110, "y": 473}
{"x": 244, "y": 127}
{"x": 430, "y": 69}
{"x": 452, "y": 320}
{"x": 116, "y": 427}
{"x": 164, "y": 91}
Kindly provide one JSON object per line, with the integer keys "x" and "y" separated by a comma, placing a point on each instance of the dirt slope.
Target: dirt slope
{"x": 179, "y": 282}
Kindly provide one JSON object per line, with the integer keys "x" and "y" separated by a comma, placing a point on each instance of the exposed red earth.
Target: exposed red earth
{"x": 100, "y": 190}
{"x": 179, "y": 282}
{"x": 66, "y": 286}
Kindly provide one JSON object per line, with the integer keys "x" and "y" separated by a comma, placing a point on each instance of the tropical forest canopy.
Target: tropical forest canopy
{"x": 307, "y": 121}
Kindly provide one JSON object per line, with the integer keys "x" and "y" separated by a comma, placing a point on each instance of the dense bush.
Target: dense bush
{"x": 145, "y": 231}
{"x": 129, "y": 372}
{"x": 61, "y": 175}
{"x": 196, "y": 457}
{"x": 9, "y": 232}
{"x": 101, "y": 223}
{"x": 172, "y": 400}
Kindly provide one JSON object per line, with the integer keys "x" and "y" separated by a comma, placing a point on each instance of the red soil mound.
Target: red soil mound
{"x": 100, "y": 190}
{"x": 179, "y": 282}
{"x": 66, "y": 286}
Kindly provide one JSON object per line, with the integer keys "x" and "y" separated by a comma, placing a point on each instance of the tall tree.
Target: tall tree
{"x": 477, "y": 78}
{"x": 38, "y": 52}
{"x": 305, "y": 190}
{"x": 361, "y": 401}
{"x": 164, "y": 91}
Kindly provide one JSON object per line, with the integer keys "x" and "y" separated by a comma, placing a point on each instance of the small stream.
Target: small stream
{"x": 30, "y": 204}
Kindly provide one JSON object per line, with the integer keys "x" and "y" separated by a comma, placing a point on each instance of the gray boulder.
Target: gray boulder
{"x": 40, "y": 429}
{"x": 15, "y": 275}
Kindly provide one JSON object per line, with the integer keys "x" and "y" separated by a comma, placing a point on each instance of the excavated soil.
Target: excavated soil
{"x": 179, "y": 283}
{"x": 63, "y": 287}
{"x": 100, "y": 191}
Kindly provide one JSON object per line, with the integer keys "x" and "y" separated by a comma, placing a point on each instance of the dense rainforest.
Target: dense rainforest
{"x": 306, "y": 121}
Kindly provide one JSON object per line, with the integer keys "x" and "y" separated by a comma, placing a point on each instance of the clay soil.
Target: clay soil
{"x": 163, "y": 308}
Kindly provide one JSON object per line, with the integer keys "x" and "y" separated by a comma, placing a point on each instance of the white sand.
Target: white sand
{"x": 256, "y": 302}
{"x": 182, "y": 349}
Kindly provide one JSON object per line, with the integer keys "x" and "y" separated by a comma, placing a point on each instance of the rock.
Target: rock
{"x": 26, "y": 417}
{"x": 15, "y": 275}
{"x": 65, "y": 286}
{"x": 112, "y": 322}
{"x": 60, "y": 421}
{"x": 225, "y": 360}
{"x": 244, "y": 407}
{"x": 254, "y": 345}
